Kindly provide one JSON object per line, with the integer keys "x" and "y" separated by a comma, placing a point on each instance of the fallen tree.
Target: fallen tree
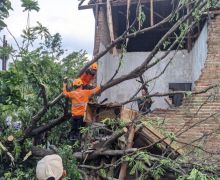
{"x": 34, "y": 97}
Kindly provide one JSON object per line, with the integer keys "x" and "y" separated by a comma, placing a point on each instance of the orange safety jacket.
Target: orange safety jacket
{"x": 86, "y": 78}
{"x": 80, "y": 98}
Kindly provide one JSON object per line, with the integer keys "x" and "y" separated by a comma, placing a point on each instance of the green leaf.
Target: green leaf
{"x": 2, "y": 24}
{"x": 30, "y": 5}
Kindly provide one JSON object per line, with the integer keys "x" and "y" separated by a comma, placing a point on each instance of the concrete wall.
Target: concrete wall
{"x": 199, "y": 53}
{"x": 184, "y": 68}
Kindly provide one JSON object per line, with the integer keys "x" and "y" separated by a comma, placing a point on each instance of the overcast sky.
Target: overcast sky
{"x": 62, "y": 16}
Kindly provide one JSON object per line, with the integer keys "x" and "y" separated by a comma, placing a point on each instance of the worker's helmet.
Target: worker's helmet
{"x": 94, "y": 66}
{"x": 77, "y": 82}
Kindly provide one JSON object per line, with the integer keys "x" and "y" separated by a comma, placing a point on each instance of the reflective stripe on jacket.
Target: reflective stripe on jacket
{"x": 78, "y": 105}
{"x": 79, "y": 98}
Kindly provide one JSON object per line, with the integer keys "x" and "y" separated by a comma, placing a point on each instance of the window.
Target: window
{"x": 178, "y": 98}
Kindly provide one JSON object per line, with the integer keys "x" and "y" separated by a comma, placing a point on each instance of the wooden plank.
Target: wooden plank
{"x": 167, "y": 141}
{"x": 96, "y": 28}
{"x": 81, "y": 2}
{"x": 89, "y": 116}
{"x": 123, "y": 2}
{"x": 128, "y": 18}
{"x": 87, "y": 6}
{"x": 110, "y": 25}
{"x": 128, "y": 12}
{"x": 98, "y": 112}
{"x": 127, "y": 115}
{"x": 124, "y": 166}
{"x": 115, "y": 3}
{"x": 151, "y": 12}
{"x": 152, "y": 138}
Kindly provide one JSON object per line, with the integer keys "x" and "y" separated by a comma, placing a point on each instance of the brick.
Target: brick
{"x": 188, "y": 114}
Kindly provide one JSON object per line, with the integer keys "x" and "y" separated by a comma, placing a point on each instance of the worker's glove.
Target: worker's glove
{"x": 65, "y": 80}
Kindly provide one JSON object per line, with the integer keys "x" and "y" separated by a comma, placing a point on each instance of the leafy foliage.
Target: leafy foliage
{"x": 69, "y": 162}
{"x": 5, "y": 6}
{"x": 30, "y": 5}
{"x": 38, "y": 61}
{"x": 10, "y": 92}
{"x": 196, "y": 174}
{"x": 114, "y": 124}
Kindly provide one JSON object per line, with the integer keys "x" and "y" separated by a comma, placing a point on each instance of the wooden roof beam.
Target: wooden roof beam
{"x": 110, "y": 25}
{"x": 114, "y": 3}
{"x": 124, "y": 2}
{"x": 81, "y": 2}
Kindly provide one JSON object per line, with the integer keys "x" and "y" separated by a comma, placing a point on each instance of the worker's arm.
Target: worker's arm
{"x": 65, "y": 92}
{"x": 93, "y": 91}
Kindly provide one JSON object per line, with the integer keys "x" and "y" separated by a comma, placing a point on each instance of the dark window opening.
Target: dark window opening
{"x": 147, "y": 41}
{"x": 177, "y": 99}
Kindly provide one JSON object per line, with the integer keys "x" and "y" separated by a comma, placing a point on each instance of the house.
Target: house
{"x": 195, "y": 66}
{"x": 182, "y": 72}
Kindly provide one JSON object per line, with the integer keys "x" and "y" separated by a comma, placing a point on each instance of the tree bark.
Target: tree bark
{"x": 38, "y": 116}
{"x": 95, "y": 154}
{"x": 40, "y": 152}
{"x": 114, "y": 137}
{"x": 49, "y": 126}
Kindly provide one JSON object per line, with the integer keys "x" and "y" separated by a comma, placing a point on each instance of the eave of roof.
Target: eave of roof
{"x": 93, "y": 3}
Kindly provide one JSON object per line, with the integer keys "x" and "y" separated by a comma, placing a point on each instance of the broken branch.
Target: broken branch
{"x": 94, "y": 154}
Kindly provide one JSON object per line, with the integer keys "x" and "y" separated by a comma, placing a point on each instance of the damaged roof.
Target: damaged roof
{"x": 83, "y": 4}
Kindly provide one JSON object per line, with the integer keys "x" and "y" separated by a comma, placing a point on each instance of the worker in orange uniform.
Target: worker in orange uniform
{"x": 80, "y": 98}
{"x": 89, "y": 75}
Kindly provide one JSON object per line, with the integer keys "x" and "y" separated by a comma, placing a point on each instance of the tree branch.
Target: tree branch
{"x": 8, "y": 153}
{"x": 114, "y": 137}
{"x": 50, "y": 125}
{"x": 38, "y": 116}
{"x": 44, "y": 96}
{"x": 176, "y": 92}
{"x": 120, "y": 39}
{"x": 95, "y": 154}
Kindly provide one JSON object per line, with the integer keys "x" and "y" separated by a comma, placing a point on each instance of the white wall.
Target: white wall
{"x": 199, "y": 53}
{"x": 184, "y": 68}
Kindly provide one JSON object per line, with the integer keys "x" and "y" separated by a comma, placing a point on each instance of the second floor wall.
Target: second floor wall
{"x": 184, "y": 68}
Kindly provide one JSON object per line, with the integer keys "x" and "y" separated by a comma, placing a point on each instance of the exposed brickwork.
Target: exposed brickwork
{"x": 200, "y": 114}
